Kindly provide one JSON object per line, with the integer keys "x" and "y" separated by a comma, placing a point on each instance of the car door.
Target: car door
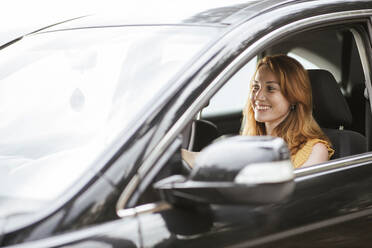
{"x": 330, "y": 207}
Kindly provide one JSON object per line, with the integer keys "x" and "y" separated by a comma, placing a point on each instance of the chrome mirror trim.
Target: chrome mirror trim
{"x": 268, "y": 172}
{"x": 146, "y": 208}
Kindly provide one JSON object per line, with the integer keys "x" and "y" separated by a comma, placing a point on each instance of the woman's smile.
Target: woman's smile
{"x": 261, "y": 107}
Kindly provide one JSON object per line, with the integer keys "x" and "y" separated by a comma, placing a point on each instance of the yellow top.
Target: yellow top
{"x": 303, "y": 154}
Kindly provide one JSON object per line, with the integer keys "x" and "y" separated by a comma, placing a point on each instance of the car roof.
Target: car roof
{"x": 220, "y": 13}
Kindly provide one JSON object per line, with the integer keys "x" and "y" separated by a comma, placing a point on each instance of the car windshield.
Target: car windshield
{"x": 66, "y": 95}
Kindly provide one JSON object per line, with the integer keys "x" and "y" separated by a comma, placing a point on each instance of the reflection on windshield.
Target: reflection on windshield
{"x": 65, "y": 96}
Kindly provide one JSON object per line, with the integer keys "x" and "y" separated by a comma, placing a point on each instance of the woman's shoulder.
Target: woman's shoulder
{"x": 317, "y": 144}
{"x": 312, "y": 142}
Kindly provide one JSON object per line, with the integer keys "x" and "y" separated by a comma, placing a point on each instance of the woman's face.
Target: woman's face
{"x": 269, "y": 104}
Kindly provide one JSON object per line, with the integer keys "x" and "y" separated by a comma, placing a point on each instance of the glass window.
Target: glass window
{"x": 66, "y": 96}
{"x": 234, "y": 94}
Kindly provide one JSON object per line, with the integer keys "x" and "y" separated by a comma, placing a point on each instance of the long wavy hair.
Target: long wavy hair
{"x": 299, "y": 126}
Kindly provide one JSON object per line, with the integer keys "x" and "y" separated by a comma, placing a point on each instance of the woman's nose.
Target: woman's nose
{"x": 260, "y": 95}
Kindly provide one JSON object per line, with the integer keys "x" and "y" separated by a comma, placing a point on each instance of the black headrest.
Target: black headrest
{"x": 330, "y": 108}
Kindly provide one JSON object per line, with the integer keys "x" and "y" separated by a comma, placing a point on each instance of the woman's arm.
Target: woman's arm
{"x": 319, "y": 154}
{"x": 189, "y": 156}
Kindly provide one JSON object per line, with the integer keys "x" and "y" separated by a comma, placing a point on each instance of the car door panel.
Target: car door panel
{"x": 327, "y": 209}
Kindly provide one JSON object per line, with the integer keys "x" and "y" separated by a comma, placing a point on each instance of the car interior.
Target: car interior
{"x": 340, "y": 106}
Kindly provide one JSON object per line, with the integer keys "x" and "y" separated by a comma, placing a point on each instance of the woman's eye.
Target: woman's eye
{"x": 255, "y": 87}
{"x": 270, "y": 88}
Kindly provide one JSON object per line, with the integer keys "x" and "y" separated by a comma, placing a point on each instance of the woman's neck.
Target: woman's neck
{"x": 270, "y": 126}
{"x": 269, "y": 129}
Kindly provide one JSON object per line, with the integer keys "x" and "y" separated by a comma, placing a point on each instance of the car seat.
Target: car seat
{"x": 332, "y": 113}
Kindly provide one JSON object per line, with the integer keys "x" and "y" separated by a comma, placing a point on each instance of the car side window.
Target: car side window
{"x": 224, "y": 111}
{"x": 233, "y": 95}
{"x": 338, "y": 54}
{"x": 334, "y": 50}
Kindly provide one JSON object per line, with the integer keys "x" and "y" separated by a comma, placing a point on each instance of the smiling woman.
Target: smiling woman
{"x": 280, "y": 104}
{"x": 269, "y": 104}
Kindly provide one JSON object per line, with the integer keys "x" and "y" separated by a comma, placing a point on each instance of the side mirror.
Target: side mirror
{"x": 236, "y": 170}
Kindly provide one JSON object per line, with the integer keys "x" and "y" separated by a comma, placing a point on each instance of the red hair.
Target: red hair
{"x": 299, "y": 126}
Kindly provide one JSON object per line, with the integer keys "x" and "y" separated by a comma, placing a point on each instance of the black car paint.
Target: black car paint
{"x": 311, "y": 218}
{"x": 220, "y": 226}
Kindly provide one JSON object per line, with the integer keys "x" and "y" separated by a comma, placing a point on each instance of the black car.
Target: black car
{"x": 95, "y": 112}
